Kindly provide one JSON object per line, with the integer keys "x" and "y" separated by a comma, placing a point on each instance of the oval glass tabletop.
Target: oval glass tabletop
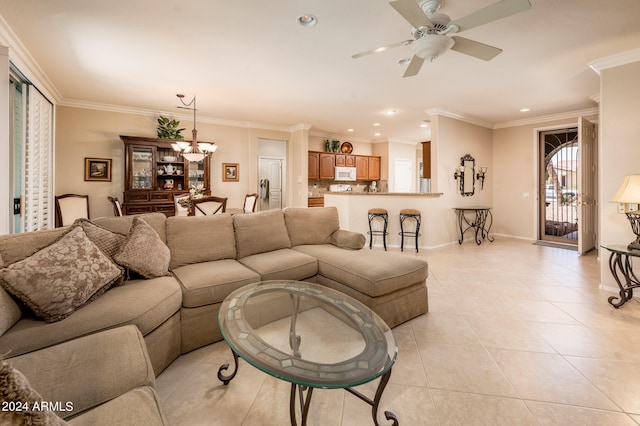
{"x": 307, "y": 334}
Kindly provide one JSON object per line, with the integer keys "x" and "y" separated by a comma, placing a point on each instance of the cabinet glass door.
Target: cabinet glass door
{"x": 196, "y": 174}
{"x": 142, "y": 168}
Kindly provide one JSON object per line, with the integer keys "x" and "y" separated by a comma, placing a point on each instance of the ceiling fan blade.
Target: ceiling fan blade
{"x": 382, "y": 48}
{"x": 474, "y": 48}
{"x": 496, "y": 11}
{"x": 414, "y": 66}
{"x": 410, "y": 11}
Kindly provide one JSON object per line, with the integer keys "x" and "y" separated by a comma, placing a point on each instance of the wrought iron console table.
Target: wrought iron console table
{"x": 479, "y": 222}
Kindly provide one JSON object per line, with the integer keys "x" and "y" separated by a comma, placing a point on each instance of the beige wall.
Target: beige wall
{"x": 84, "y": 133}
{"x": 619, "y": 152}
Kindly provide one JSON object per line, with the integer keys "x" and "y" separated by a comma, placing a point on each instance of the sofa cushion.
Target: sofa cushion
{"x": 91, "y": 370}
{"x": 311, "y": 226}
{"x": 374, "y": 273}
{"x": 143, "y": 251}
{"x": 140, "y": 406}
{"x": 210, "y": 282}
{"x": 283, "y": 264}
{"x": 20, "y": 403}
{"x": 107, "y": 241}
{"x": 122, "y": 224}
{"x": 62, "y": 277}
{"x": 260, "y": 232}
{"x": 212, "y": 235}
{"x": 144, "y": 303}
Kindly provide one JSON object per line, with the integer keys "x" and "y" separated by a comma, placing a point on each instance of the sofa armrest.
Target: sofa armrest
{"x": 90, "y": 370}
{"x": 348, "y": 239}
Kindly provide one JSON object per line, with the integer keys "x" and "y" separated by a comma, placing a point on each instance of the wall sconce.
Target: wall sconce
{"x": 459, "y": 175}
{"x": 480, "y": 176}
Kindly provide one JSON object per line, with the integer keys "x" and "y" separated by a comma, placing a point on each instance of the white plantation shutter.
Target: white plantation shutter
{"x": 38, "y": 170}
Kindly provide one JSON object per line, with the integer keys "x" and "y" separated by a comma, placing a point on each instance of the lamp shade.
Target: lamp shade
{"x": 629, "y": 191}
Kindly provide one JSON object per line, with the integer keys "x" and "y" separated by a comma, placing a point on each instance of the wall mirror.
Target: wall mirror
{"x": 467, "y": 175}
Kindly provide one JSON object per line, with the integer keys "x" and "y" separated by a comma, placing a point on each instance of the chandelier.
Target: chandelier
{"x": 193, "y": 151}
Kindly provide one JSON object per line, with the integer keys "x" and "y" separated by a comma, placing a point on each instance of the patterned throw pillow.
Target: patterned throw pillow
{"x": 107, "y": 241}
{"x": 62, "y": 277}
{"x": 144, "y": 252}
{"x": 21, "y": 404}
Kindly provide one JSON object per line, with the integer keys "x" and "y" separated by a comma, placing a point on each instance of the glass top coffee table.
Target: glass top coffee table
{"x": 308, "y": 335}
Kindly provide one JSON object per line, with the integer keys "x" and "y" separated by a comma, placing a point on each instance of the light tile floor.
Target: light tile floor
{"x": 516, "y": 334}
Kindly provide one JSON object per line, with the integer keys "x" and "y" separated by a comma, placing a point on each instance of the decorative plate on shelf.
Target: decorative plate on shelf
{"x": 346, "y": 148}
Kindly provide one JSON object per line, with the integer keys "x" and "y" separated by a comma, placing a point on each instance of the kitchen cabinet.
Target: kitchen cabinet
{"x": 314, "y": 165}
{"x": 343, "y": 160}
{"x": 315, "y": 202}
{"x": 362, "y": 167}
{"x": 327, "y": 165}
{"x": 151, "y": 181}
{"x": 374, "y": 168}
{"x": 426, "y": 160}
{"x": 322, "y": 165}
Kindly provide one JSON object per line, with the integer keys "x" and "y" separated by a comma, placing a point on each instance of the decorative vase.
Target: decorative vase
{"x": 327, "y": 145}
{"x": 336, "y": 146}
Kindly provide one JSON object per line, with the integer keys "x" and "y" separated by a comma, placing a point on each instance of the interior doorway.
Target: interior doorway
{"x": 271, "y": 174}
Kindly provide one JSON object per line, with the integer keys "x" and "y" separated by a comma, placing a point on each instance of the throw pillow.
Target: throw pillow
{"x": 107, "y": 241}
{"x": 144, "y": 252}
{"x": 62, "y": 277}
{"x": 21, "y": 404}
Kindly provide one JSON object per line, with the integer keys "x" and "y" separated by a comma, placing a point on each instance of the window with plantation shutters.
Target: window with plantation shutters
{"x": 38, "y": 163}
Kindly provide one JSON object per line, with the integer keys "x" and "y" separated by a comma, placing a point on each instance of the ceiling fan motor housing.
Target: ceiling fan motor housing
{"x": 431, "y": 46}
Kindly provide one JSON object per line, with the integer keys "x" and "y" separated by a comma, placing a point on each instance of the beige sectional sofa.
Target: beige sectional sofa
{"x": 209, "y": 258}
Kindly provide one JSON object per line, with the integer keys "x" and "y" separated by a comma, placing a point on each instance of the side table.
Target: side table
{"x": 479, "y": 222}
{"x": 620, "y": 264}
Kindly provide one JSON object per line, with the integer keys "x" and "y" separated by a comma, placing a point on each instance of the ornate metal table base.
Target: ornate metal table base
{"x": 479, "y": 223}
{"x": 620, "y": 264}
{"x": 304, "y": 401}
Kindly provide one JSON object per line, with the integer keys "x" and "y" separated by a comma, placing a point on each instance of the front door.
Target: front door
{"x": 587, "y": 181}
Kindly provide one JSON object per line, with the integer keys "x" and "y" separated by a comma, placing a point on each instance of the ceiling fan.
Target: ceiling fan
{"x": 431, "y": 29}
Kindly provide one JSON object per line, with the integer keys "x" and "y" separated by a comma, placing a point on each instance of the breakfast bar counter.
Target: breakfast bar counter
{"x": 438, "y": 226}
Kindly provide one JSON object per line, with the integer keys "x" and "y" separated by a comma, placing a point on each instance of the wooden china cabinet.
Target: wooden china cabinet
{"x": 151, "y": 181}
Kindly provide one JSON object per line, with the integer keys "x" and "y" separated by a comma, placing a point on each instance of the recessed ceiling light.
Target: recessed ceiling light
{"x": 307, "y": 20}
{"x": 404, "y": 61}
{"x": 350, "y": 130}
{"x": 390, "y": 112}
{"x": 424, "y": 124}
{"x": 376, "y": 124}
{"x": 525, "y": 110}
{"x": 376, "y": 134}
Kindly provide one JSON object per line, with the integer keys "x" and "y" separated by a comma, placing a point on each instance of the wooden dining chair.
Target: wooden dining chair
{"x": 117, "y": 207}
{"x": 207, "y": 206}
{"x": 70, "y": 207}
{"x": 250, "y": 201}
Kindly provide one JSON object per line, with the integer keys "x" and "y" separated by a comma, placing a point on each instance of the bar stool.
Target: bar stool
{"x": 374, "y": 216}
{"x": 409, "y": 214}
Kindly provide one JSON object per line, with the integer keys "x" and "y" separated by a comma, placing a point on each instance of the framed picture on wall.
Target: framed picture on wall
{"x": 97, "y": 169}
{"x": 230, "y": 172}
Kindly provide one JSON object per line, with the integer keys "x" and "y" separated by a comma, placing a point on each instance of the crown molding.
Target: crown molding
{"x": 547, "y": 118}
{"x": 327, "y": 135}
{"x": 616, "y": 60}
{"x": 22, "y": 59}
{"x": 149, "y": 113}
{"x": 458, "y": 116}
